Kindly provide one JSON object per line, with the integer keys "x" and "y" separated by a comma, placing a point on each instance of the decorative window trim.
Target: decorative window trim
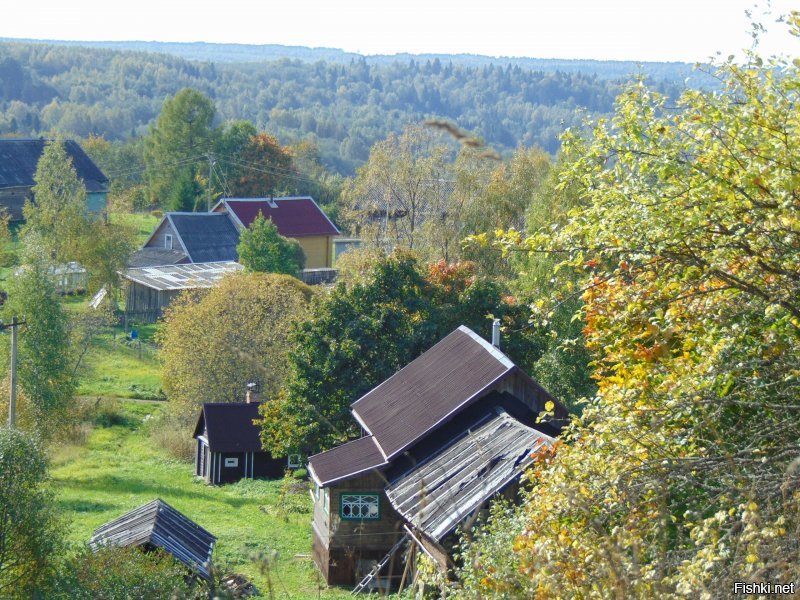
{"x": 296, "y": 463}
{"x": 231, "y": 463}
{"x": 360, "y": 502}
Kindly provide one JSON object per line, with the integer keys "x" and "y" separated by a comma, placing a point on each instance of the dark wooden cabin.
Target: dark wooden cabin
{"x": 158, "y": 525}
{"x": 229, "y": 445}
{"x": 445, "y": 434}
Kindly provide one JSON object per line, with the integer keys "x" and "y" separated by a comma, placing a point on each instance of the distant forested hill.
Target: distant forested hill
{"x": 344, "y": 102}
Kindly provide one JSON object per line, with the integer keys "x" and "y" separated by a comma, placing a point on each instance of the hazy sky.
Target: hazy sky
{"x": 686, "y": 30}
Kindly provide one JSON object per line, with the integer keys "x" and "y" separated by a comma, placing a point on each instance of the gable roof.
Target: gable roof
{"x": 430, "y": 389}
{"x": 295, "y": 216}
{"x": 441, "y": 491}
{"x": 181, "y": 277}
{"x": 19, "y": 157}
{"x": 158, "y": 524}
{"x": 229, "y": 426}
{"x": 346, "y": 461}
{"x": 155, "y": 257}
{"x": 204, "y": 237}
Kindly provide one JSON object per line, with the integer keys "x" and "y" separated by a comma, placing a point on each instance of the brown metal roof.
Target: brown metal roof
{"x": 429, "y": 390}
{"x": 447, "y": 486}
{"x": 345, "y": 461}
{"x": 229, "y": 426}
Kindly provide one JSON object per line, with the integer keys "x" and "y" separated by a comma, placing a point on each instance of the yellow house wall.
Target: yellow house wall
{"x": 318, "y": 250}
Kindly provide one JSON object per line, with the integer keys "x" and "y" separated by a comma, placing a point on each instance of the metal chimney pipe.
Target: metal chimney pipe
{"x": 496, "y": 333}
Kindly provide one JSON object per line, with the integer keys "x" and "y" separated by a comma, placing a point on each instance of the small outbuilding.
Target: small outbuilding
{"x": 229, "y": 445}
{"x": 158, "y": 525}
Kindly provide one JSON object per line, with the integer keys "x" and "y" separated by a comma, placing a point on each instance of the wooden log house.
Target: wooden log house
{"x": 445, "y": 434}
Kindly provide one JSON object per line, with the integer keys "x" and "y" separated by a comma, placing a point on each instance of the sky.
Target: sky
{"x": 643, "y": 30}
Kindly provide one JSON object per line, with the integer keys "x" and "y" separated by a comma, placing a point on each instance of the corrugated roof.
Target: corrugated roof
{"x": 181, "y": 277}
{"x": 158, "y": 524}
{"x": 293, "y": 216}
{"x": 346, "y": 461}
{"x": 430, "y": 389}
{"x": 446, "y": 487}
{"x": 18, "y": 160}
{"x": 230, "y": 426}
{"x": 155, "y": 257}
{"x": 206, "y": 237}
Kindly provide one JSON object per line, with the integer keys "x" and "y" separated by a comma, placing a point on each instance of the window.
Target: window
{"x": 168, "y": 241}
{"x": 326, "y": 499}
{"x": 360, "y": 507}
{"x": 294, "y": 461}
{"x": 231, "y": 462}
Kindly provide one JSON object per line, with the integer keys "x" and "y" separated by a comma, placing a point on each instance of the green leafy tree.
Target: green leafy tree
{"x": 680, "y": 478}
{"x": 365, "y": 330}
{"x": 177, "y": 143}
{"x": 262, "y": 249}
{"x": 30, "y": 532}
{"x": 44, "y": 358}
{"x": 216, "y": 343}
{"x": 57, "y": 219}
{"x": 59, "y": 229}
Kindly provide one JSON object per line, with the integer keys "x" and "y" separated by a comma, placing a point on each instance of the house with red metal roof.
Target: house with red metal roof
{"x": 296, "y": 217}
{"x": 181, "y": 238}
{"x": 443, "y": 436}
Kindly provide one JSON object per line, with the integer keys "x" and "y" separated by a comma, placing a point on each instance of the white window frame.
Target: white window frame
{"x": 362, "y": 506}
{"x": 168, "y": 241}
{"x": 231, "y": 463}
{"x": 326, "y": 500}
{"x": 296, "y": 463}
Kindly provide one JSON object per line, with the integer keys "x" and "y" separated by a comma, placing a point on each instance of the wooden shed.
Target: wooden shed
{"x": 228, "y": 445}
{"x": 158, "y": 525}
{"x": 149, "y": 290}
{"x": 445, "y": 434}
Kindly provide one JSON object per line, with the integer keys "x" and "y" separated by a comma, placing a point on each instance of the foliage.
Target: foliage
{"x": 345, "y": 105}
{"x": 366, "y": 329}
{"x": 119, "y": 574}
{"x": 44, "y": 356}
{"x": 59, "y": 229}
{"x": 680, "y": 477}
{"x": 263, "y": 168}
{"x": 180, "y": 137}
{"x": 213, "y": 345}
{"x": 30, "y": 532}
{"x": 262, "y": 249}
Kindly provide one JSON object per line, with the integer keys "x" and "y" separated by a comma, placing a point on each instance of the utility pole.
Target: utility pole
{"x": 12, "y": 403}
{"x": 210, "y": 172}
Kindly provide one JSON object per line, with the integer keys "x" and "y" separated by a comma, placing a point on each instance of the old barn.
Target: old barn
{"x": 443, "y": 436}
{"x": 158, "y": 525}
{"x": 149, "y": 290}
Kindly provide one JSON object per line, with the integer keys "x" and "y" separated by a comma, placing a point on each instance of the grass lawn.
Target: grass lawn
{"x": 143, "y": 222}
{"x": 119, "y": 468}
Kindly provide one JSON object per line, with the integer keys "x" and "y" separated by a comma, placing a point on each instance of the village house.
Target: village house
{"x": 229, "y": 444}
{"x": 442, "y": 436}
{"x": 295, "y": 217}
{"x": 18, "y": 161}
{"x": 158, "y": 525}
{"x": 183, "y": 238}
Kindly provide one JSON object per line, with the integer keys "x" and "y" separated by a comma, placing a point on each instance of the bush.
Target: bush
{"x": 119, "y": 574}
{"x": 174, "y": 435}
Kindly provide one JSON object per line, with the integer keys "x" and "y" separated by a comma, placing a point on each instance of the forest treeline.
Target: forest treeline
{"x": 344, "y": 108}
